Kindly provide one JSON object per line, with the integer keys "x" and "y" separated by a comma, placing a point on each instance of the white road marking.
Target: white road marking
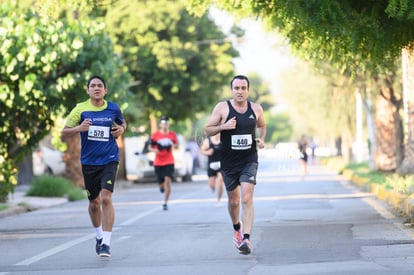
{"x": 55, "y": 250}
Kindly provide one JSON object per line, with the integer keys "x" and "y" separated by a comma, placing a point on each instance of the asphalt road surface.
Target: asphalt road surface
{"x": 321, "y": 225}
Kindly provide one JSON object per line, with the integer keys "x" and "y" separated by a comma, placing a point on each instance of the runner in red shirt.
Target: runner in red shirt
{"x": 163, "y": 142}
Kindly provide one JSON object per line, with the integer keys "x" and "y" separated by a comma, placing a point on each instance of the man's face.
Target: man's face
{"x": 96, "y": 89}
{"x": 164, "y": 124}
{"x": 240, "y": 90}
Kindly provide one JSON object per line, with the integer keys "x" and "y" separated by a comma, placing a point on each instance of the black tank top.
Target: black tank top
{"x": 239, "y": 145}
{"x": 216, "y": 156}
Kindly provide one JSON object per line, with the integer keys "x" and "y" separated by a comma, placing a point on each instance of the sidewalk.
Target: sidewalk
{"x": 18, "y": 202}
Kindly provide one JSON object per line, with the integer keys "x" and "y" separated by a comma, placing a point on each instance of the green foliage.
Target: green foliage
{"x": 52, "y": 186}
{"x": 260, "y": 92}
{"x": 392, "y": 181}
{"x": 362, "y": 170}
{"x": 8, "y": 176}
{"x": 43, "y": 73}
{"x": 352, "y": 35}
{"x": 279, "y": 127}
{"x": 401, "y": 9}
{"x": 180, "y": 62}
{"x": 401, "y": 184}
{"x": 323, "y": 105}
{"x": 49, "y": 186}
{"x": 76, "y": 194}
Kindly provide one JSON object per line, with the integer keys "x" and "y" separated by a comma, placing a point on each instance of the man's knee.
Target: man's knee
{"x": 106, "y": 197}
{"x": 234, "y": 202}
{"x": 95, "y": 204}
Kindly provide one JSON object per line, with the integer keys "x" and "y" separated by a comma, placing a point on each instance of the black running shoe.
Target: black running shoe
{"x": 245, "y": 247}
{"x": 98, "y": 245}
{"x": 165, "y": 206}
{"x": 104, "y": 251}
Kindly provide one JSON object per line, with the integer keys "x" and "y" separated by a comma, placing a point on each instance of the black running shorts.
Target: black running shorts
{"x": 98, "y": 177}
{"x": 234, "y": 176}
{"x": 164, "y": 171}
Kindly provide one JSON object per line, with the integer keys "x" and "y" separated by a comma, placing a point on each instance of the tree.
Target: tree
{"x": 352, "y": 35}
{"x": 43, "y": 71}
{"x": 321, "y": 107}
{"x": 279, "y": 127}
{"x": 179, "y": 62}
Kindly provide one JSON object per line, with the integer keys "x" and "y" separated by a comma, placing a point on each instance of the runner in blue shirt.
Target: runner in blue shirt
{"x": 99, "y": 123}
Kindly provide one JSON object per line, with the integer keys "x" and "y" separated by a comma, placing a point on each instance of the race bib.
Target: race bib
{"x": 241, "y": 142}
{"x": 98, "y": 133}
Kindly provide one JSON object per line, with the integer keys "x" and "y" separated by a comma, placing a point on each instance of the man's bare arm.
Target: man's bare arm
{"x": 215, "y": 124}
{"x": 71, "y": 131}
{"x": 261, "y": 126}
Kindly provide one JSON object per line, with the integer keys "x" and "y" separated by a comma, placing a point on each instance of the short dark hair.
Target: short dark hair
{"x": 98, "y": 77}
{"x": 243, "y": 77}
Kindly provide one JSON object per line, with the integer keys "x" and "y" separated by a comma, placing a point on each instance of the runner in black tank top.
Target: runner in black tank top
{"x": 239, "y": 145}
{"x": 237, "y": 121}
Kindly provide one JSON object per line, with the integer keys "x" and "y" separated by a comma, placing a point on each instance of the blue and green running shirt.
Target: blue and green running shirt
{"x": 99, "y": 147}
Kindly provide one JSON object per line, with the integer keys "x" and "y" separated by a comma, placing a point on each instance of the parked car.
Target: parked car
{"x": 48, "y": 161}
{"x": 139, "y": 160}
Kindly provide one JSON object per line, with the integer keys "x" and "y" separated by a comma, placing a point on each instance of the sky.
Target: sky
{"x": 261, "y": 52}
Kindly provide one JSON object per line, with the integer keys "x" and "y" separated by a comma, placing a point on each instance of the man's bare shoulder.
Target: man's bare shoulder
{"x": 222, "y": 105}
{"x": 256, "y": 106}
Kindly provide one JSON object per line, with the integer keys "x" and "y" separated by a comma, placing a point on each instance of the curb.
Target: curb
{"x": 14, "y": 210}
{"x": 400, "y": 202}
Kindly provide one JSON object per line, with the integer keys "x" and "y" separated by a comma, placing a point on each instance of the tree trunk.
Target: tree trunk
{"x": 346, "y": 146}
{"x": 407, "y": 165}
{"x": 25, "y": 170}
{"x": 372, "y": 141}
{"x": 359, "y": 142}
{"x": 389, "y": 130}
{"x": 72, "y": 160}
{"x": 122, "y": 165}
{"x": 153, "y": 124}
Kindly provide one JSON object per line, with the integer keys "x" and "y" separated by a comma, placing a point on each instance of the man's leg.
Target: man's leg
{"x": 247, "y": 190}
{"x": 212, "y": 183}
{"x": 108, "y": 213}
{"x": 219, "y": 186}
{"x": 247, "y": 215}
{"x": 95, "y": 213}
{"x": 108, "y": 217}
{"x": 233, "y": 205}
{"x": 167, "y": 186}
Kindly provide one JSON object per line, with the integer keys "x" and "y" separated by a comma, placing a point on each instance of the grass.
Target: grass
{"x": 362, "y": 170}
{"x": 3, "y": 206}
{"x": 53, "y": 186}
{"x": 389, "y": 180}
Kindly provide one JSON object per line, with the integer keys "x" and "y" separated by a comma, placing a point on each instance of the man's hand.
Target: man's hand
{"x": 230, "y": 124}
{"x": 117, "y": 130}
{"x": 84, "y": 126}
{"x": 260, "y": 143}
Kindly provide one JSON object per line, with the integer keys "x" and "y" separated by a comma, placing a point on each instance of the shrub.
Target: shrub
{"x": 49, "y": 186}
{"x": 76, "y": 194}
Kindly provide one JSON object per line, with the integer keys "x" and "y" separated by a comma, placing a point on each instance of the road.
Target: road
{"x": 322, "y": 225}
